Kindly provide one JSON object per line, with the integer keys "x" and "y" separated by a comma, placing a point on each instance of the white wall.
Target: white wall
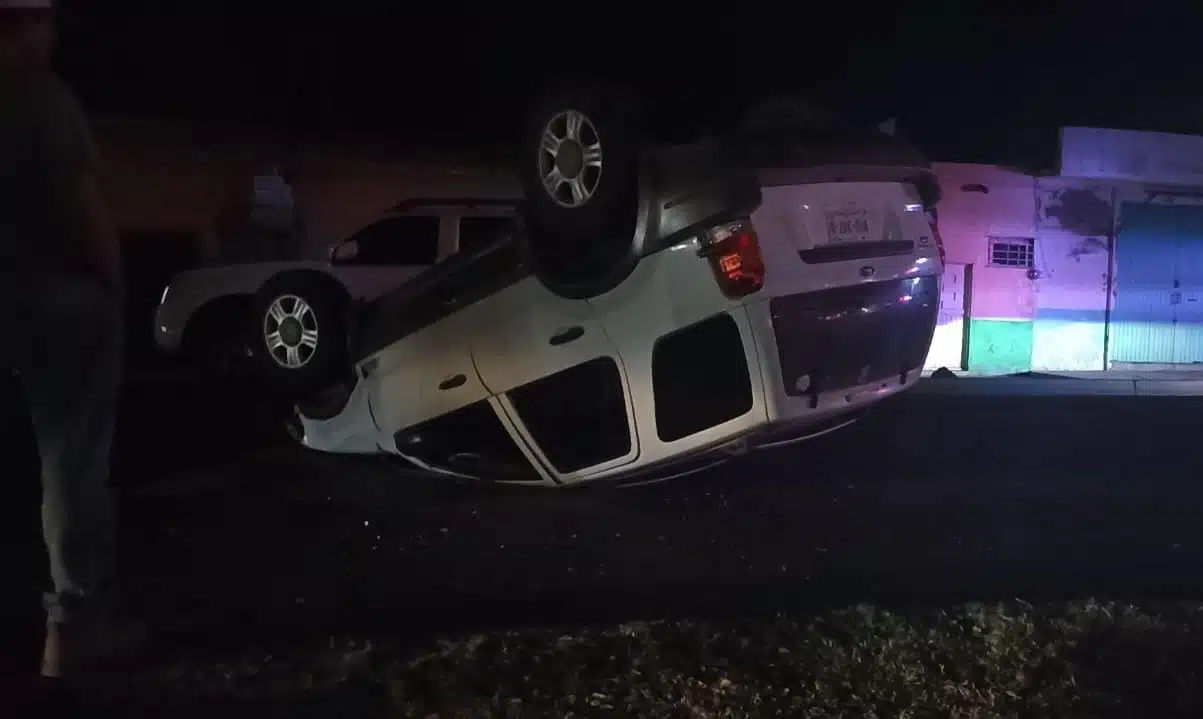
{"x": 1131, "y": 156}
{"x": 968, "y": 219}
{"x": 1073, "y": 241}
{"x": 1002, "y": 299}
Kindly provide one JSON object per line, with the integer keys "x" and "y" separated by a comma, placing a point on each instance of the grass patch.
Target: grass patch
{"x": 1013, "y": 659}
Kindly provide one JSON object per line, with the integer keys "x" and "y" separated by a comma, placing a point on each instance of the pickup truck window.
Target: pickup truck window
{"x": 479, "y": 232}
{"x": 406, "y": 240}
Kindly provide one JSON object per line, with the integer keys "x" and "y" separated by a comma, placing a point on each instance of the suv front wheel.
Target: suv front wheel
{"x": 299, "y": 333}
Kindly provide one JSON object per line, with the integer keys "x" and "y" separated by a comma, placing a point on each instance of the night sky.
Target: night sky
{"x": 976, "y": 84}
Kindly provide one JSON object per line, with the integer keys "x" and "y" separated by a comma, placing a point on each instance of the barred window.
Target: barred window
{"x": 1012, "y": 252}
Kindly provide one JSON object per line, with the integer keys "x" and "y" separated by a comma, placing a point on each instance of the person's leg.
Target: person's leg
{"x": 70, "y": 372}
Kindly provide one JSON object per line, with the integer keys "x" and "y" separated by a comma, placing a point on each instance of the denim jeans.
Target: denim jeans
{"x": 63, "y": 336}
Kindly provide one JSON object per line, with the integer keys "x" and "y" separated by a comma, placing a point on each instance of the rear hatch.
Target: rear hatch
{"x": 852, "y": 256}
{"x": 842, "y": 207}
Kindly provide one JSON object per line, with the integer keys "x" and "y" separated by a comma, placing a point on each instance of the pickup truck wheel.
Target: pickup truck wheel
{"x": 214, "y": 343}
{"x": 223, "y": 358}
{"x": 579, "y": 169}
{"x": 299, "y": 334}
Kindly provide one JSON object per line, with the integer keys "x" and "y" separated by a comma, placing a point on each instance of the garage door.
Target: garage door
{"x": 947, "y": 346}
{"x": 1158, "y": 313}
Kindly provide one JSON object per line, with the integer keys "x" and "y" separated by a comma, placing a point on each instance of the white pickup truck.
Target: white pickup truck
{"x": 211, "y": 315}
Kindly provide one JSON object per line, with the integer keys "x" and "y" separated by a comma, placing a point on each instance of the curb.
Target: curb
{"x": 1050, "y": 387}
{"x": 1169, "y": 388}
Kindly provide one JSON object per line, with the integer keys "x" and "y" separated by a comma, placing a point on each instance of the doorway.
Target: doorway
{"x": 948, "y": 344}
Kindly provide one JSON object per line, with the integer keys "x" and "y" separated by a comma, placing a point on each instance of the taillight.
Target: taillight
{"x": 733, "y": 251}
{"x": 934, "y": 220}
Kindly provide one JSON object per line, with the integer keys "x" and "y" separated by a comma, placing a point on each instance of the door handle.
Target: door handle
{"x": 453, "y": 382}
{"x": 565, "y": 336}
{"x": 1175, "y": 298}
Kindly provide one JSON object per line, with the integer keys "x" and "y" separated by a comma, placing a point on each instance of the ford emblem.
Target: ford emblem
{"x": 867, "y": 271}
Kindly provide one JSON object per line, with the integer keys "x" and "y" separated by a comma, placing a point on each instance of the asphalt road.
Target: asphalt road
{"x": 233, "y": 538}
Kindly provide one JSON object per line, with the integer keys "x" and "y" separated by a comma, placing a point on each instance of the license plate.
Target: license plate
{"x": 847, "y": 225}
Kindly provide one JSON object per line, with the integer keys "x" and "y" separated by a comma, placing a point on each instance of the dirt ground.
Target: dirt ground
{"x": 275, "y": 578}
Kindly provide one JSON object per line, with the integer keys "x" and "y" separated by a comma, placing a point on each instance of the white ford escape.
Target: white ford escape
{"x": 656, "y": 310}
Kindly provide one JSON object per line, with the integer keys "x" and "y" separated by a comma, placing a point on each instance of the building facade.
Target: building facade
{"x": 1099, "y": 266}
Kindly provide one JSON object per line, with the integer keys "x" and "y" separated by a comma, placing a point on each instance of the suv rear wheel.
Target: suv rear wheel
{"x": 580, "y": 172}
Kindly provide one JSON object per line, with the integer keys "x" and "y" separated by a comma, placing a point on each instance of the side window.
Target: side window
{"x": 408, "y": 240}
{"x": 476, "y": 233}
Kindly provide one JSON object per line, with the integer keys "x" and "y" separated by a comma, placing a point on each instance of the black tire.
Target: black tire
{"x": 329, "y": 402}
{"x": 584, "y": 246}
{"x": 216, "y": 342}
{"x": 315, "y": 366}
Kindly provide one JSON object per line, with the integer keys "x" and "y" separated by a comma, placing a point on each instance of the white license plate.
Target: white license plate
{"x": 847, "y": 225}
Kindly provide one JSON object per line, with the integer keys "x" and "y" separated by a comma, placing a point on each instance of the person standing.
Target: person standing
{"x": 61, "y": 331}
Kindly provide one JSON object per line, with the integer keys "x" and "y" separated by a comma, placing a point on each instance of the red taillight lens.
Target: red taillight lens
{"x": 733, "y": 251}
{"x": 934, "y": 220}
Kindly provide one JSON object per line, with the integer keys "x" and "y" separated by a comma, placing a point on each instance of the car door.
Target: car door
{"x": 426, "y": 397}
{"x": 557, "y": 376}
{"x": 388, "y": 252}
{"x": 426, "y": 375}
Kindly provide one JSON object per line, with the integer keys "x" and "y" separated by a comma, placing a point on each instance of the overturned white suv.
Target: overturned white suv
{"x": 653, "y": 309}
